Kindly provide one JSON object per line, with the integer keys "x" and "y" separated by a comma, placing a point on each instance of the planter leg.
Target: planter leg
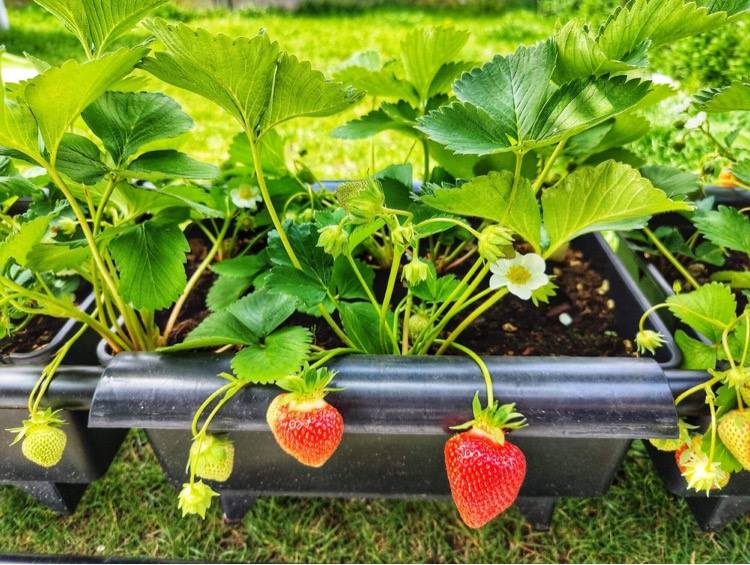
{"x": 537, "y": 510}
{"x": 235, "y": 504}
{"x": 712, "y": 514}
{"x": 58, "y": 497}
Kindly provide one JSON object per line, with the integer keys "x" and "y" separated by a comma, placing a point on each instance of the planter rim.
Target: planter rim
{"x": 71, "y": 389}
{"x": 36, "y": 356}
{"x": 671, "y": 353}
{"x": 561, "y": 396}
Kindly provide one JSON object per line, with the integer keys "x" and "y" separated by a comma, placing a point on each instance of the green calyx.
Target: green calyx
{"x": 363, "y": 200}
{"x": 195, "y": 498}
{"x": 37, "y": 420}
{"x": 310, "y": 384}
{"x": 493, "y": 420}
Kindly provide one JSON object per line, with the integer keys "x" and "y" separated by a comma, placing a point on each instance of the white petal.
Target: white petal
{"x": 538, "y": 280}
{"x": 534, "y": 263}
{"x": 498, "y": 281}
{"x": 521, "y": 291}
{"x": 500, "y": 266}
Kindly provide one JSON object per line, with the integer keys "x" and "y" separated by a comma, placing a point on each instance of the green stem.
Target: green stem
{"x": 177, "y": 308}
{"x": 482, "y": 367}
{"x": 405, "y": 328}
{"x": 548, "y": 165}
{"x": 426, "y": 151}
{"x": 392, "y": 277}
{"x": 215, "y": 394}
{"x": 466, "y": 322}
{"x": 260, "y": 177}
{"x": 453, "y": 221}
{"x": 671, "y": 258}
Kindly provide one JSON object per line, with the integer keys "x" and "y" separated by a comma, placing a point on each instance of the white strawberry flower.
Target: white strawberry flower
{"x": 246, "y": 196}
{"x": 522, "y": 274}
{"x": 696, "y": 121}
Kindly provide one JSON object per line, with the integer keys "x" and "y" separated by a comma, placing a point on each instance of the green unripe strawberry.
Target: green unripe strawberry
{"x": 212, "y": 457}
{"x": 44, "y": 444}
{"x": 734, "y": 431}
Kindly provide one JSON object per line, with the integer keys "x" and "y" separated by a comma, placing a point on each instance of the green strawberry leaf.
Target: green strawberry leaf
{"x": 711, "y": 302}
{"x": 18, "y": 245}
{"x": 126, "y": 121}
{"x": 80, "y": 159}
{"x": 606, "y": 197}
{"x": 56, "y": 258}
{"x": 262, "y": 312}
{"x": 429, "y": 55}
{"x": 672, "y": 180}
{"x": 492, "y": 197}
{"x": 733, "y": 98}
{"x": 726, "y": 227}
{"x": 281, "y": 354}
{"x": 279, "y": 88}
{"x": 290, "y": 281}
{"x": 516, "y": 118}
{"x": 362, "y": 324}
{"x": 168, "y": 163}
{"x": 696, "y": 354}
{"x": 242, "y": 266}
{"x": 150, "y": 258}
{"x": 226, "y": 290}
{"x": 97, "y": 24}
{"x": 217, "y": 329}
{"x": 59, "y": 95}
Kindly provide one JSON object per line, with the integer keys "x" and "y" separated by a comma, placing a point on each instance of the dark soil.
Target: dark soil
{"x": 517, "y": 327}
{"x": 702, "y": 272}
{"x": 38, "y": 332}
{"x": 194, "y": 311}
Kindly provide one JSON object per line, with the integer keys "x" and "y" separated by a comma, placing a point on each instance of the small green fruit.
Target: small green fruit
{"x": 44, "y": 444}
{"x": 212, "y": 457}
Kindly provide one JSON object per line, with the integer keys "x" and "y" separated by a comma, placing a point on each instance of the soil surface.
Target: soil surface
{"x": 194, "y": 311}
{"x": 517, "y": 327}
{"x": 38, "y": 332}
{"x": 702, "y": 272}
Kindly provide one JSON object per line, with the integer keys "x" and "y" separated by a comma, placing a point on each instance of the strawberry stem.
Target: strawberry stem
{"x": 482, "y": 367}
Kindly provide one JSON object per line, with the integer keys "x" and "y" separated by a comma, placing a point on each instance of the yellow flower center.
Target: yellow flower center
{"x": 245, "y": 192}
{"x": 518, "y": 274}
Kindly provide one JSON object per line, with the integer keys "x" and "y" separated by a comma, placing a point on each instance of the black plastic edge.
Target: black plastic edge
{"x": 729, "y": 196}
{"x": 72, "y": 388}
{"x": 561, "y": 397}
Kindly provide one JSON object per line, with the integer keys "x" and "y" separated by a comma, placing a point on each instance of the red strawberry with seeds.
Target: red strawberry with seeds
{"x": 485, "y": 471}
{"x": 304, "y": 424}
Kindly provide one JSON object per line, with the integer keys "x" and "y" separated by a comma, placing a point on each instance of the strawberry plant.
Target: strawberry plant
{"x": 304, "y": 275}
{"x": 441, "y": 256}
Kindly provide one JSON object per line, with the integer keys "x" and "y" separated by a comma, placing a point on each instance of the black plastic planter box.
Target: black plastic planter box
{"x": 728, "y": 196}
{"x": 583, "y": 414}
{"x": 88, "y": 452}
{"x": 711, "y": 512}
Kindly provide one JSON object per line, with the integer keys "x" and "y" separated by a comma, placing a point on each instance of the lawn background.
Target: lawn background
{"x": 133, "y": 511}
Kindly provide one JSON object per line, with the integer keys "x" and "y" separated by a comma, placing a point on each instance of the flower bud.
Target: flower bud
{"x": 195, "y": 498}
{"x": 66, "y": 226}
{"x": 333, "y": 239}
{"x": 415, "y": 272}
{"x": 648, "y": 340}
{"x": 736, "y": 377}
{"x": 404, "y": 235}
{"x": 418, "y": 322}
{"x": 363, "y": 200}
{"x": 495, "y": 242}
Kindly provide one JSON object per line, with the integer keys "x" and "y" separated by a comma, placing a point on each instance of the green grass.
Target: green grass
{"x": 132, "y": 510}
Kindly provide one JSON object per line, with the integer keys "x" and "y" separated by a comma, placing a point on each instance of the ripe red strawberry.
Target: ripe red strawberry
{"x": 304, "y": 424}
{"x": 485, "y": 471}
